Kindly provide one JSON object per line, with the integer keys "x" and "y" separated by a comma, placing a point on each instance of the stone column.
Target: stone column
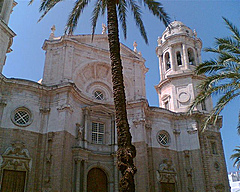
{"x": 3, "y": 104}
{"x": 164, "y": 65}
{"x": 113, "y": 133}
{"x": 161, "y": 64}
{"x": 188, "y": 171}
{"x": 116, "y": 173}
{"x": 85, "y": 176}
{"x": 199, "y": 56}
{"x": 172, "y": 56}
{"x": 185, "y": 56}
{"x": 78, "y": 174}
{"x": 85, "y": 129}
{"x": 68, "y": 63}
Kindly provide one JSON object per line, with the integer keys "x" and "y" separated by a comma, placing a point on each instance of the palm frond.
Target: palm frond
{"x": 233, "y": 29}
{"x": 122, "y": 10}
{"x": 30, "y": 2}
{"x": 75, "y": 14}
{"x": 138, "y": 20}
{"x": 157, "y": 9}
{"x": 222, "y": 102}
{"x": 224, "y": 56}
{"x": 46, "y": 6}
{"x": 238, "y": 127}
{"x": 104, "y": 6}
{"x": 228, "y": 44}
{"x": 208, "y": 67}
{"x": 236, "y": 156}
{"x": 95, "y": 14}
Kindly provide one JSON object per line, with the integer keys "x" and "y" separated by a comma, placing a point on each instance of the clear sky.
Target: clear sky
{"x": 27, "y": 59}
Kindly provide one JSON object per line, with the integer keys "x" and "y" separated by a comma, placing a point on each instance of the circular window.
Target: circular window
{"x": 21, "y": 117}
{"x": 163, "y": 138}
{"x": 98, "y": 95}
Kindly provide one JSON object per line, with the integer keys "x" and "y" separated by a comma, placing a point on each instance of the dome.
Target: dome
{"x": 176, "y": 28}
{"x": 176, "y": 24}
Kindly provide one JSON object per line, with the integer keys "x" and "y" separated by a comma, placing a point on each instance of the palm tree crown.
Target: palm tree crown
{"x": 116, "y": 10}
{"x": 223, "y": 74}
{"x": 236, "y": 156}
{"x": 100, "y": 7}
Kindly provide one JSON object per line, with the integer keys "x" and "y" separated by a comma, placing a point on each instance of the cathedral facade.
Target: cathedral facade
{"x": 59, "y": 134}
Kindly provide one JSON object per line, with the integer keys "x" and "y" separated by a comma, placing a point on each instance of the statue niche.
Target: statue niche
{"x": 166, "y": 176}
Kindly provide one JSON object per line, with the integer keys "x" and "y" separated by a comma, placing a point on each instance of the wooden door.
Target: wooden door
{"x": 96, "y": 181}
{"x": 13, "y": 181}
{"x": 167, "y": 187}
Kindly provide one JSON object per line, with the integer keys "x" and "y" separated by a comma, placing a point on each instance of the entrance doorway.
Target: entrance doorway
{"x": 167, "y": 187}
{"x": 13, "y": 181}
{"x": 97, "y": 181}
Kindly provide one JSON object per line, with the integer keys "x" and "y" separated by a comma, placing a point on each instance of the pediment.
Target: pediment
{"x": 100, "y": 109}
{"x": 101, "y": 42}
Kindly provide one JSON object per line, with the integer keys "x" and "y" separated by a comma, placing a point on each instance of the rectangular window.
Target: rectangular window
{"x": 214, "y": 148}
{"x": 203, "y": 105}
{"x": 97, "y": 132}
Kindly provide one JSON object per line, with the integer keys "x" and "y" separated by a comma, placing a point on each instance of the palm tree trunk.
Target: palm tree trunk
{"x": 126, "y": 151}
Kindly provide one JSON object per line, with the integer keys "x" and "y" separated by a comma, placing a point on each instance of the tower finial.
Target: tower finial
{"x": 194, "y": 33}
{"x": 53, "y": 29}
{"x": 135, "y": 46}
{"x": 104, "y": 29}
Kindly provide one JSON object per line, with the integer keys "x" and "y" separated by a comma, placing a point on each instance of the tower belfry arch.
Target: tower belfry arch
{"x": 179, "y": 52}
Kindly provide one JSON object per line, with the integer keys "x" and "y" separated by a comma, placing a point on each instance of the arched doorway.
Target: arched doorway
{"x": 96, "y": 181}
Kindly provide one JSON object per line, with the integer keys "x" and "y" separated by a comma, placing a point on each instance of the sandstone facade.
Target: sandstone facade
{"x": 56, "y": 133}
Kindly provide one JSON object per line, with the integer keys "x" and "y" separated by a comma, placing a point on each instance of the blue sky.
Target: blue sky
{"x": 27, "y": 59}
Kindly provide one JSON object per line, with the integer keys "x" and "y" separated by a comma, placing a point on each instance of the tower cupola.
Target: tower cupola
{"x": 179, "y": 52}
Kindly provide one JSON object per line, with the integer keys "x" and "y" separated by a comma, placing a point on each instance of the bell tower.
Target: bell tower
{"x": 6, "y": 34}
{"x": 179, "y": 52}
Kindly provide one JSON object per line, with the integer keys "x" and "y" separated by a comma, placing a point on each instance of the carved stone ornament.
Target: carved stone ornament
{"x": 65, "y": 107}
{"x": 183, "y": 97}
{"x": 166, "y": 172}
{"x": 16, "y": 158}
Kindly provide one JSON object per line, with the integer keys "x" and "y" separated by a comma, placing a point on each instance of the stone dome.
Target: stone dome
{"x": 176, "y": 28}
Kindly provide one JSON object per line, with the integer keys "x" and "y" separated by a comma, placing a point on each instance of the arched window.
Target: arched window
{"x": 167, "y": 61}
{"x": 191, "y": 59}
{"x": 179, "y": 59}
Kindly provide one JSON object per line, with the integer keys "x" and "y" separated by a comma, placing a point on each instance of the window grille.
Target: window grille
{"x": 98, "y": 95}
{"x": 97, "y": 133}
{"x": 21, "y": 116}
{"x": 163, "y": 138}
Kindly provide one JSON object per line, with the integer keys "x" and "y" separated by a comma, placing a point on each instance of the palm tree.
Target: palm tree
{"x": 223, "y": 74}
{"x": 236, "y": 156}
{"x": 115, "y": 8}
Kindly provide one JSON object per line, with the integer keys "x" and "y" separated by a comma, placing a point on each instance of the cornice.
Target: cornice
{"x": 66, "y": 39}
{"x": 6, "y": 29}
